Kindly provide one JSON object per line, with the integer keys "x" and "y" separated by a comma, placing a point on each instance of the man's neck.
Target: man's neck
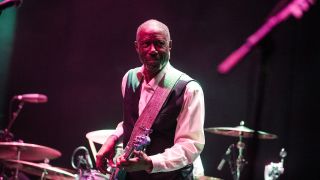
{"x": 149, "y": 75}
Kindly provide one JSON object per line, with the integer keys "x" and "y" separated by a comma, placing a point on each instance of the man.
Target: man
{"x": 178, "y": 137}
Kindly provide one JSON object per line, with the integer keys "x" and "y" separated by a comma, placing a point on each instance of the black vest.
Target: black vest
{"x": 163, "y": 127}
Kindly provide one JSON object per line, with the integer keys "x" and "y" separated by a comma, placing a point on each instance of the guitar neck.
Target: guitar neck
{"x": 128, "y": 151}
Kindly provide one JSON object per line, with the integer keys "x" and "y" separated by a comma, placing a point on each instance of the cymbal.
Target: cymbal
{"x": 240, "y": 130}
{"x": 100, "y": 136}
{"x": 39, "y": 169}
{"x": 28, "y": 152}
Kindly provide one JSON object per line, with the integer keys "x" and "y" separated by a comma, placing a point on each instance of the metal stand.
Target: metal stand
{"x": 236, "y": 165}
{"x": 16, "y": 177}
{"x": 240, "y": 160}
{"x": 6, "y": 135}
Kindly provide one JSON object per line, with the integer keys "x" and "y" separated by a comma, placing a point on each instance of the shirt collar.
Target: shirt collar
{"x": 154, "y": 82}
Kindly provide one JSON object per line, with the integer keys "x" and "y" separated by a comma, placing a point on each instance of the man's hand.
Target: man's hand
{"x": 141, "y": 161}
{"x": 106, "y": 154}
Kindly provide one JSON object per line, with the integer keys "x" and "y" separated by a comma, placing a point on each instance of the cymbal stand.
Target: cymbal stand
{"x": 45, "y": 173}
{"x": 240, "y": 162}
{"x": 16, "y": 177}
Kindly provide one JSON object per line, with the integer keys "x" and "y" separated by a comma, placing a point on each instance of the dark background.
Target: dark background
{"x": 76, "y": 53}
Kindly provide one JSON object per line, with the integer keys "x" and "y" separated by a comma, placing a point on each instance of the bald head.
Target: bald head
{"x": 153, "y": 25}
{"x": 153, "y": 46}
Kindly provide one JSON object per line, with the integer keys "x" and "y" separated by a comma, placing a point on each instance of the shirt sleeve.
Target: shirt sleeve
{"x": 189, "y": 134}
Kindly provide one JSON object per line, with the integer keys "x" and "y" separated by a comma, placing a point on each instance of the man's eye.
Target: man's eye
{"x": 161, "y": 43}
{"x": 145, "y": 44}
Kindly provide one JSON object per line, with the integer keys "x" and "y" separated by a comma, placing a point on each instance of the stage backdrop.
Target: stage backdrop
{"x": 76, "y": 53}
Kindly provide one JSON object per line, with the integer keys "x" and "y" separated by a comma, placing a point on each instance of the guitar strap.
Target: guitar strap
{"x": 154, "y": 105}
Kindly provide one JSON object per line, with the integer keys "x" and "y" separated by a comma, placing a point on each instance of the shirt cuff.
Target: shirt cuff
{"x": 156, "y": 163}
{"x": 119, "y": 130}
{"x": 160, "y": 164}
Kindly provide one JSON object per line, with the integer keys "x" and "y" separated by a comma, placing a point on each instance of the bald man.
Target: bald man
{"x": 178, "y": 136}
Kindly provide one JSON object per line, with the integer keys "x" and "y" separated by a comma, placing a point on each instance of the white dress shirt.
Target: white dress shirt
{"x": 189, "y": 137}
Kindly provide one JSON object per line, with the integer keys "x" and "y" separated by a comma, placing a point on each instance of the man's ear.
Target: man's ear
{"x": 136, "y": 46}
{"x": 170, "y": 44}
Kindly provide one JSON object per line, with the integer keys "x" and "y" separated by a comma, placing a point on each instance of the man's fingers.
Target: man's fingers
{"x": 103, "y": 164}
{"x": 140, "y": 154}
{"x": 102, "y": 170}
{"x": 111, "y": 164}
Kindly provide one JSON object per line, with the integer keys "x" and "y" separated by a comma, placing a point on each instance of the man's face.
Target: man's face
{"x": 153, "y": 46}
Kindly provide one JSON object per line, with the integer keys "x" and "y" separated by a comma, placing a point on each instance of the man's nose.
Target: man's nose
{"x": 153, "y": 49}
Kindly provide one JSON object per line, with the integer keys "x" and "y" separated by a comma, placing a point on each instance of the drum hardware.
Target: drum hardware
{"x": 237, "y": 164}
{"x": 226, "y": 157}
{"x": 273, "y": 170}
{"x": 83, "y": 161}
{"x": 83, "y": 164}
{"x": 240, "y": 162}
{"x": 92, "y": 174}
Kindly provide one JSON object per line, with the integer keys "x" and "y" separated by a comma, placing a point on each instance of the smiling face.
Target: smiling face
{"x": 153, "y": 46}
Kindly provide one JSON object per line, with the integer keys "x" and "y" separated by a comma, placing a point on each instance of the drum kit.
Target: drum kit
{"x": 17, "y": 158}
{"x": 272, "y": 171}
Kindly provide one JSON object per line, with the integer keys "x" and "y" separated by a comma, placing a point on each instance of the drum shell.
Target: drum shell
{"x": 92, "y": 175}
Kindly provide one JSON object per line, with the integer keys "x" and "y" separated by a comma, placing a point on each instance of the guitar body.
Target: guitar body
{"x": 118, "y": 174}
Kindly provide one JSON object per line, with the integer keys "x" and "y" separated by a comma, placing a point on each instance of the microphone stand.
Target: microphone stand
{"x": 15, "y": 114}
{"x": 294, "y": 8}
{"x": 6, "y": 135}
